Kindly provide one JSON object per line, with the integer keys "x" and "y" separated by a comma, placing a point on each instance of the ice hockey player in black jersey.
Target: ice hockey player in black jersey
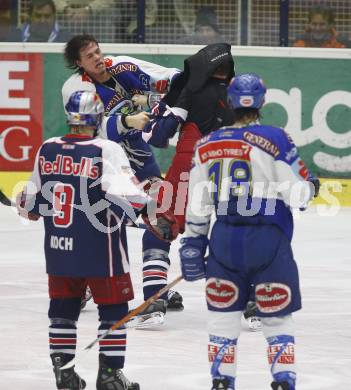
{"x": 86, "y": 192}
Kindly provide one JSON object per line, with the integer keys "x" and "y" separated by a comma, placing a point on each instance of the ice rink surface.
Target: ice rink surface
{"x": 174, "y": 357}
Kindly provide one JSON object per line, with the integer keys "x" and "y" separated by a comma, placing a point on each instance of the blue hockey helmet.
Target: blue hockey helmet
{"x": 84, "y": 108}
{"x": 246, "y": 91}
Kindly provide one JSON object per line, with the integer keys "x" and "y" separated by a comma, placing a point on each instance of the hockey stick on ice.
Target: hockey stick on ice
{"x": 8, "y": 202}
{"x": 119, "y": 323}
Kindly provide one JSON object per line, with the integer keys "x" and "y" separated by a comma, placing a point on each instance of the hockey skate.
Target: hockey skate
{"x": 175, "y": 301}
{"x": 160, "y": 305}
{"x": 112, "y": 378}
{"x": 66, "y": 379}
{"x": 253, "y": 321}
{"x": 153, "y": 315}
{"x": 87, "y": 297}
{"x": 281, "y": 386}
{"x": 220, "y": 384}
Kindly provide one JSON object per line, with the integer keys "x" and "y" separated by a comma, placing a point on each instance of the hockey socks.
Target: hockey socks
{"x": 63, "y": 338}
{"x": 155, "y": 268}
{"x": 224, "y": 330}
{"x": 114, "y": 345}
{"x": 281, "y": 357}
{"x": 221, "y": 352}
{"x": 279, "y": 333}
{"x": 63, "y": 315}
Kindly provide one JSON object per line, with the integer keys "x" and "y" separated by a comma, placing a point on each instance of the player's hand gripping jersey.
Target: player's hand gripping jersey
{"x": 129, "y": 76}
{"x": 250, "y": 175}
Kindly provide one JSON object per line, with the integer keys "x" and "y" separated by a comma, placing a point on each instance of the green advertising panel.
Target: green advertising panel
{"x": 309, "y": 97}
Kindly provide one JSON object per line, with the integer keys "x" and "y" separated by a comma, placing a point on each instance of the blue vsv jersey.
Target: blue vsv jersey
{"x": 130, "y": 76}
{"x": 85, "y": 190}
{"x": 249, "y": 176}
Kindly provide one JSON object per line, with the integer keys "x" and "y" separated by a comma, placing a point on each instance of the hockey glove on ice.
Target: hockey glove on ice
{"x": 192, "y": 257}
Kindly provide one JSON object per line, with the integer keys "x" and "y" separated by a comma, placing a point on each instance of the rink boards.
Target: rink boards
{"x": 333, "y": 193}
{"x": 309, "y": 94}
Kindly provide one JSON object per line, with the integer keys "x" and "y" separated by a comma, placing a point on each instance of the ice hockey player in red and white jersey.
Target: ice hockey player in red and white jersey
{"x": 249, "y": 176}
{"x": 86, "y": 192}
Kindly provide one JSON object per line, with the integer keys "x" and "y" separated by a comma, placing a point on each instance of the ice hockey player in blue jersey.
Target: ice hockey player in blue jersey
{"x": 85, "y": 190}
{"x": 117, "y": 80}
{"x": 252, "y": 176}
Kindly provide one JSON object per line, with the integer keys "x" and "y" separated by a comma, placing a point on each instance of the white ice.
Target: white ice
{"x": 174, "y": 357}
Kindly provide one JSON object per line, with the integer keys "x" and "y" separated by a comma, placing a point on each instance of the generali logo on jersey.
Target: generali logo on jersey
{"x": 21, "y": 100}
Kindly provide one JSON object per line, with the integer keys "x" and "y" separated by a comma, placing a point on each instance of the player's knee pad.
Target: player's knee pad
{"x": 112, "y": 313}
{"x": 157, "y": 257}
{"x": 62, "y": 321}
{"x": 66, "y": 308}
{"x": 275, "y": 326}
{"x": 225, "y": 324}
